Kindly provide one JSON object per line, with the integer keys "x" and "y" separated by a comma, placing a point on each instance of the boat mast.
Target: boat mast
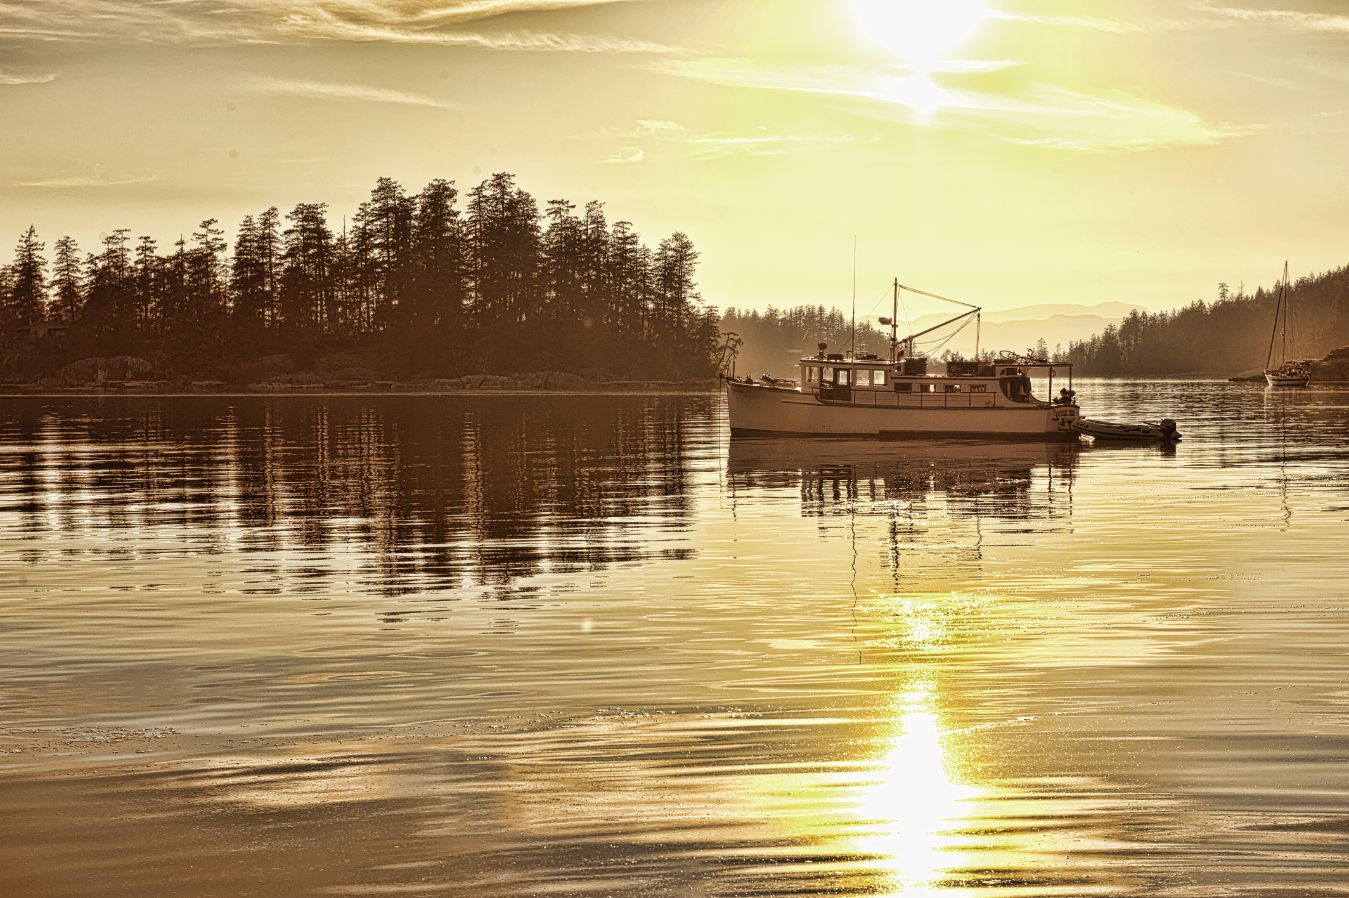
{"x": 1284, "y": 332}
{"x": 853, "y": 350}
{"x": 1278, "y": 308}
{"x": 894, "y": 325}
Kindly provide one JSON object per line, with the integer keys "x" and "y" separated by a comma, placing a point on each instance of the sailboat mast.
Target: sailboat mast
{"x": 1274, "y": 329}
{"x": 1284, "y": 331}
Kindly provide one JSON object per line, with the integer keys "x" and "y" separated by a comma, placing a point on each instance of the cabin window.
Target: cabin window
{"x": 864, "y": 378}
{"x": 953, "y": 388}
{"x": 1016, "y": 389}
{"x": 927, "y": 388}
{"x": 810, "y": 374}
{"x": 978, "y": 388}
{"x": 878, "y": 378}
{"x": 842, "y": 377}
{"x": 828, "y": 375}
{"x": 903, "y": 387}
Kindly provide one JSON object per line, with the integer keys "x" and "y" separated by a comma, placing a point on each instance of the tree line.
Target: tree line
{"x": 413, "y": 284}
{"x": 776, "y": 339}
{"x": 1231, "y": 334}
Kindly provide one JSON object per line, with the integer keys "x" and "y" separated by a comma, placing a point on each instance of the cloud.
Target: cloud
{"x": 760, "y": 142}
{"x": 626, "y": 156}
{"x": 1034, "y": 114}
{"x": 1324, "y": 23}
{"x": 13, "y": 78}
{"x": 328, "y": 90}
{"x": 1111, "y": 26}
{"x": 328, "y": 28}
{"x": 99, "y": 177}
{"x": 468, "y": 10}
{"x": 213, "y": 22}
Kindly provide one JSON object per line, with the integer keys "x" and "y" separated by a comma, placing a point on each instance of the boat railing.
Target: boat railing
{"x": 891, "y": 399}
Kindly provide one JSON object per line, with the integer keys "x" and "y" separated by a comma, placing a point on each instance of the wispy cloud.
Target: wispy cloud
{"x": 469, "y": 10}
{"x": 328, "y": 90}
{"x": 18, "y": 78}
{"x": 1034, "y": 114}
{"x": 1300, "y": 20}
{"x": 330, "y": 28}
{"x": 99, "y": 177}
{"x": 759, "y": 142}
{"x": 626, "y": 156}
{"x": 1090, "y": 23}
{"x": 209, "y": 22}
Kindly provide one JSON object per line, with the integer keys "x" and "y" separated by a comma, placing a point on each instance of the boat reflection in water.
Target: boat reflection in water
{"x": 974, "y": 478}
{"x": 918, "y": 809}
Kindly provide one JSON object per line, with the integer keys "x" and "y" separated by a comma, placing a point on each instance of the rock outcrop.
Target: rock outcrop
{"x": 1335, "y": 366}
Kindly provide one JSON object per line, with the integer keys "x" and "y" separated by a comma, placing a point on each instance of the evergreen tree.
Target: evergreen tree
{"x": 306, "y": 274}
{"x": 149, "y": 281}
{"x": 248, "y": 277}
{"x": 436, "y": 292}
{"x": 27, "y": 294}
{"x": 67, "y": 281}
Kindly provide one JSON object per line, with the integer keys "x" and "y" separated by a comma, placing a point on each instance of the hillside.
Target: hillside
{"x": 1224, "y": 337}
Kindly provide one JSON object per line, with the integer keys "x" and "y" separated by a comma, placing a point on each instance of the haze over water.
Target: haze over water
{"x": 580, "y": 645}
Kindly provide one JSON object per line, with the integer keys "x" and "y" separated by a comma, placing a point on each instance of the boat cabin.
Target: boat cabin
{"x": 868, "y": 380}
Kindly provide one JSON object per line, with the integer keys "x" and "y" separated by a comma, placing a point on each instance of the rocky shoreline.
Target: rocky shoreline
{"x": 131, "y": 376}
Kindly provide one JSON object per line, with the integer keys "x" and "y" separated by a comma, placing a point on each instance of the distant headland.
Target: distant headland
{"x": 413, "y": 290}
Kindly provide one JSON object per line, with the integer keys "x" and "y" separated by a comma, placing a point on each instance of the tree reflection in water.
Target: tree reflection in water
{"x": 427, "y": 493}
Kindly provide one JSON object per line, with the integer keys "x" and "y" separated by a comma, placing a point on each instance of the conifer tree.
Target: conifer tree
{"x": 67, "y": 281}
{"x": 27, "y": 300}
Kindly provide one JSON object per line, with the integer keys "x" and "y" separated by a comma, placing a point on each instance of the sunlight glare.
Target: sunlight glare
{"x": 916, "y": 802}
{"x": 922, "y": 33}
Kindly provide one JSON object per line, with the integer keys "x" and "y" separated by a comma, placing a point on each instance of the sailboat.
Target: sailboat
{"x": 1291, "y": 372}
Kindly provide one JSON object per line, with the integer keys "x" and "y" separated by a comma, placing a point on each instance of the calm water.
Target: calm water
{"x": 577, "y": 646}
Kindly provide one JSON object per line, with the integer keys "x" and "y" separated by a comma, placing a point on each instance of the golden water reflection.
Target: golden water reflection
{"x": 914, "y": 812}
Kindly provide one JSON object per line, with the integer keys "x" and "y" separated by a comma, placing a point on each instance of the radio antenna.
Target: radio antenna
{"x": 854, "y": 295}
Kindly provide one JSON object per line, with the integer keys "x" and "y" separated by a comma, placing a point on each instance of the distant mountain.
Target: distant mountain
{"x": 1225, "y": 337}
{"x": 776, "y": 339}
{"x": 1019, "y": 328}
{"x": 1111, "y": 310}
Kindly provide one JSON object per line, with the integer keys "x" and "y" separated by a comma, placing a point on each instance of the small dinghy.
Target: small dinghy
{"x": 1162, "y": 432}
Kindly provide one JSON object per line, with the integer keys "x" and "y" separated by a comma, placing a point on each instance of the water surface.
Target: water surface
{"x": 584, "y": 645}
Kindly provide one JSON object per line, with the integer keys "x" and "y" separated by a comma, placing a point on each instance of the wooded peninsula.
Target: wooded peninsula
{"x": 413, "y": 287}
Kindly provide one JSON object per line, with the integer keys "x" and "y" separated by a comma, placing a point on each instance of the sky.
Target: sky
{"x": 1006, "y": 152}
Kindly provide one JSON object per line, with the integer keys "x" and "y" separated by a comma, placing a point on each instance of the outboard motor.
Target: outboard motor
{"x": 1168, "y": 427}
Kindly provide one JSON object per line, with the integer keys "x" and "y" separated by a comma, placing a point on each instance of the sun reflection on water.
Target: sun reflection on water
{"x": 916, "y": 803}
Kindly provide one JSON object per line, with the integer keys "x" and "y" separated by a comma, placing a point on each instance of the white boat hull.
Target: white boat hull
{"x": 1286, "y": 380}
{"x": 763, "y": 411}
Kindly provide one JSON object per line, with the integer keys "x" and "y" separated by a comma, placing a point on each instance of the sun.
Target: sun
{"x": 921, "y": 33}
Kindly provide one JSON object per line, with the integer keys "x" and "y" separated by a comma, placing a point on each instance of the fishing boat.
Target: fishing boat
{"x": 863, "y": 395}
{"x": 1289, "y": 372}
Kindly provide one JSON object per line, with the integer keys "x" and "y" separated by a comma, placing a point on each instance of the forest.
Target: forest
{"x": 1230, "y": 335}
{"x": 415, "y": 286}
{"x": 776, "y": 339}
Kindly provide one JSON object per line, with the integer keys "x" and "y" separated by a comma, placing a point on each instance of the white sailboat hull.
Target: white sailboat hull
{"x": 760, "y": 411}
{"x": 1286, "y": 380}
